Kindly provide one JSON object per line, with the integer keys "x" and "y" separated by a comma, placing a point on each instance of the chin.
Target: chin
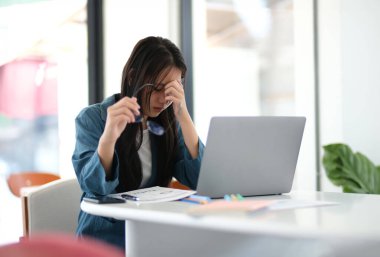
{"x": 156, "y": 113}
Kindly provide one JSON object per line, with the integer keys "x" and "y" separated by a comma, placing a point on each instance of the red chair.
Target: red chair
{"x": 59, "y": 245}
{"x": 17, "y": 181}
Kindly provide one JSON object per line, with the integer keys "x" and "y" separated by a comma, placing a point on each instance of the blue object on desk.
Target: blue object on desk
{"x": 197, "y": 199}
{"x": 227, "y": 197}
{"x": 187, "y": 200}
{"x": 201, "y": 197}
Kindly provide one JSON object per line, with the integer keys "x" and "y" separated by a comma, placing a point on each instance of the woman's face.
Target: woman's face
{"x": 157, "y": 99}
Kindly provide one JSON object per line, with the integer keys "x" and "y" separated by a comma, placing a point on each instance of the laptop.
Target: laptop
{"x": 250, "y": 155}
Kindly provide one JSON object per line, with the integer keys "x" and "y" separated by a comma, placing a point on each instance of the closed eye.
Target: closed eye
{"x": 159, "y": 87}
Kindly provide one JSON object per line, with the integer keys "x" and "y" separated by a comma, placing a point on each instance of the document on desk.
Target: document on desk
{"x": 231, "y": 206}
{"x": 154, "y": 194}
{"x": 255, "y": 205}
{"x": 295, "y": 204}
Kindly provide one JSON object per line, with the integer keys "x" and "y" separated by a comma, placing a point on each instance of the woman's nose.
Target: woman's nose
{"x": 162, "y": 96}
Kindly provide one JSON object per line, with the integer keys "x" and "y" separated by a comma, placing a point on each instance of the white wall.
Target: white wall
{"x": 305, "y": 178}
{"x": 361, "y": 76}
{"x": 350, "y": 76}
{"x": 227, "y": 95}
{"x": 128, "y": 21}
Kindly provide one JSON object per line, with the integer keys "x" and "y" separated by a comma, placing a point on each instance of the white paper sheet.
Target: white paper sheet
{"x": 294, "y": 204}
{"x": 156, "y": 194}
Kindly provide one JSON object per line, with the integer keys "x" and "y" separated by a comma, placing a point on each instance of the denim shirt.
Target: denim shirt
{"x": 91, "y": 175}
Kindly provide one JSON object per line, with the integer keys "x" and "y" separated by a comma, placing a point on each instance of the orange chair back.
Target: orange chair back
{"x": 26, "y": 179}
{"x": 178, "y": 185}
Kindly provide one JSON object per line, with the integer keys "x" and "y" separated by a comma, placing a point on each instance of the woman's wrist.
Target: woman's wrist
{"x": 182, "y": 113}
{"x": 184, "y": 117}
{"x": 106, "y": 148}
{"x": 105, "y": 152}
{"x": 107, "y": 141}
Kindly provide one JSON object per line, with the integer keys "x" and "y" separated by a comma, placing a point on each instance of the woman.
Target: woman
{"x": 115, "y": 152}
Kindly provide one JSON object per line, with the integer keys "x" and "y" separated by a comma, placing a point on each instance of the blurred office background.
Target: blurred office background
{"x": 315, "y": 58}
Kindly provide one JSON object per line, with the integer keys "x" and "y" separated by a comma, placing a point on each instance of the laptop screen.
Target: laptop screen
{"x": 250, "y": 155}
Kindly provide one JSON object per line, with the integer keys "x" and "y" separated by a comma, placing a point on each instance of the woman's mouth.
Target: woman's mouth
{"x": 157, "y": 109}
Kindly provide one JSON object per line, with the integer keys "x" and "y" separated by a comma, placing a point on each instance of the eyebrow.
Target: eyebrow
{"x": 162, "y": 83}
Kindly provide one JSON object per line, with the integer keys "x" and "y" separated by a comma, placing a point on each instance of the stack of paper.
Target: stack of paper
{"x": 154, "y": 194}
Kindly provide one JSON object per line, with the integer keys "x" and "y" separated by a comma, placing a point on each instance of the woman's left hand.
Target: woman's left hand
{"x": 174, "y": 92}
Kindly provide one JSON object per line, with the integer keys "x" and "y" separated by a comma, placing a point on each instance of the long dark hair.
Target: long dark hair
{"x": 150, "y": 59}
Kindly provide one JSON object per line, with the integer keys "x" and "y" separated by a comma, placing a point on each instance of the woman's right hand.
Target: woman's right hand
{"x": 118, "y": 116}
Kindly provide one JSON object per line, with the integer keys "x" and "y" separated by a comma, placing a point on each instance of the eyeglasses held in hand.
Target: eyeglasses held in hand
{"x": 152, "y": 126}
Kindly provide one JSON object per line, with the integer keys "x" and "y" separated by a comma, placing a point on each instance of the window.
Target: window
{"x": 43, "y": 85}
{"x": 245, "y": 64}
{"x": 125, "y": 23}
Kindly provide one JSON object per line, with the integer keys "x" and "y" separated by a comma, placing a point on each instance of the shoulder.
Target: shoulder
{"x": 96, "y": 112}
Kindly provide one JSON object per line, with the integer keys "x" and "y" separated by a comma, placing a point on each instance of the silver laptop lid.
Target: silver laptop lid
{"x": 250, "y": 155}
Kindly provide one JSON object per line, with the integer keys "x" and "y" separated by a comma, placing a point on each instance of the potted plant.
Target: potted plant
{"x": 354, "y": 172}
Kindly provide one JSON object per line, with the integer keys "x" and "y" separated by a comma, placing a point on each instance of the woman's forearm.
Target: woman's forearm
{"x": 190, "y": 135}
{"x": 106, "y": 151}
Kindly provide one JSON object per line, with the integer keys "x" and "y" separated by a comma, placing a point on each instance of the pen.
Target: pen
{"x": 233, "y": 197}
{"x": 130, "y": 197}
{"x": 240, "y": 197}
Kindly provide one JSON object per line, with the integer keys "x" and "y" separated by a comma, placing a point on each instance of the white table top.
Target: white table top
{"x": 355, "y": 214}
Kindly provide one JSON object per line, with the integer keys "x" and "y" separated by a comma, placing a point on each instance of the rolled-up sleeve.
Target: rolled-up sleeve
{"x": 88, "y": 168}
{"x": 186, "y": 169}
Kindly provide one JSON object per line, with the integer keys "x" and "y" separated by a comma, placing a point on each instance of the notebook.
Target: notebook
{"x": 250, "y": 155}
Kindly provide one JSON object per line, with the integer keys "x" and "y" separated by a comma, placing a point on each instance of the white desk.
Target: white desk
{"x": 165, "y": 229}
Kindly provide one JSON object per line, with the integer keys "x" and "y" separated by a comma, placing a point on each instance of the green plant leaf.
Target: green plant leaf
{"x": 353, "y": 171}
